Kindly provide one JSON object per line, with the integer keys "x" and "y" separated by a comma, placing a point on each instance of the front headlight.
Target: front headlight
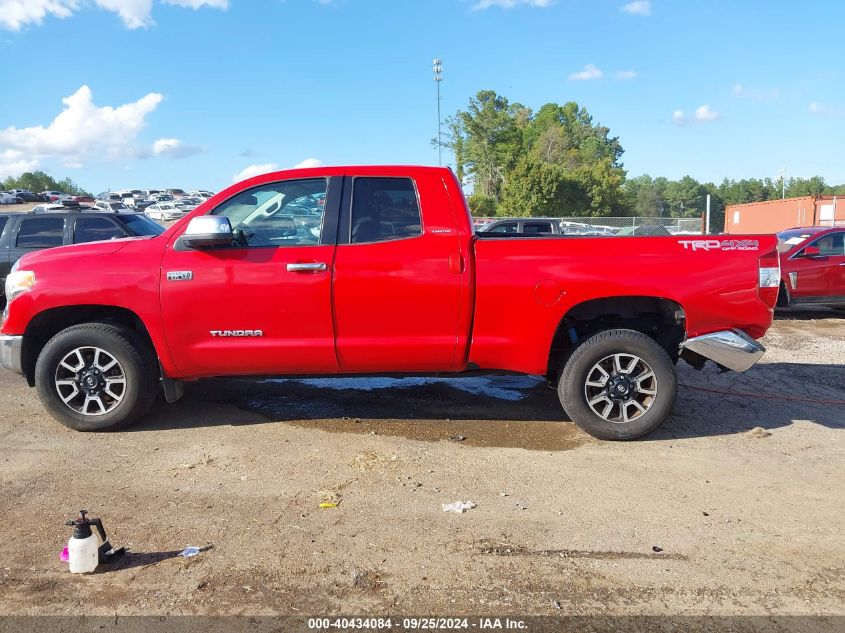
{"x": 18, "y": 282}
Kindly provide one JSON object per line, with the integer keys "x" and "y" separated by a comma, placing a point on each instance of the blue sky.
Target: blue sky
{"x": 190, "y": 93}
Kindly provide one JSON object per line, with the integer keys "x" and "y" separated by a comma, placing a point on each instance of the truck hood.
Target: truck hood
{"x": 75, "y": 251}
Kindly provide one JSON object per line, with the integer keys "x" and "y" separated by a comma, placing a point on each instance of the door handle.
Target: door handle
{"x": 310, "y": 267}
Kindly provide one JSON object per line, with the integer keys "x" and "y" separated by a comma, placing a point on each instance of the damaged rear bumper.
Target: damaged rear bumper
{"x": 732, "y": 349}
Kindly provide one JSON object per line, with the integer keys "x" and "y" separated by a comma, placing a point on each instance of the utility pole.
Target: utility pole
{"x": 437, "y": 66}
{"x": 707, "y": 221}
{"x": 782, "y": 174}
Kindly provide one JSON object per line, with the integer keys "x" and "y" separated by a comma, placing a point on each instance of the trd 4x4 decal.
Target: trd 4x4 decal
{"x": 720, "y": 245}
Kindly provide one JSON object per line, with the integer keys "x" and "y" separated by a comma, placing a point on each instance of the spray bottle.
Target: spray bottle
{"x": 83, "y": 548}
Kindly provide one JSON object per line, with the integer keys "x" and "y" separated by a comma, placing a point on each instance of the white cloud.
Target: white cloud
{"x": 510, "y": 4}
{"x": 638, "y": 7}
{"x": 752, "y": 93}
{"x": 199, "y": 4}
{"x": 705, "y": 114}
{"x": 589, "y": 72}
{"x": 626, "y": 74}
{"x": 308, "y": 162}
{"x": 13, "y": 163}
{"x": 826, "y": 109}
{"x": 135, "y": 14}
{"x": 257, "y": 170}
{"x": 254, "y": 170}
{"x": 15, "y": 14}
{"x": 702, "y": 114}
{"x": 174, "y": 148}
{"x": 83, "y": 131}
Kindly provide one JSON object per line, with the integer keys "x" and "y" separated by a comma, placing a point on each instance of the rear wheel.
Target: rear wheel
{"x": 96, "y": 377}
{"x": 618, "y": 385}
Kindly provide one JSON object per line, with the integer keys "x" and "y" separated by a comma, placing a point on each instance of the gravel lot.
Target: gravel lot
{"x": 734, "y": 507}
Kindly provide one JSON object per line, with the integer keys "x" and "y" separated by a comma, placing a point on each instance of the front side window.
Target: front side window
{"x": 2, "y": 224}
{"x": 95, "y": 229}
{"x": 831, "y": 245}
{"x": 288, "y": 213}
{"x": 384, "y": 209}
{"x": 41, "y": 233}
{"x": 506, "y": 227}
{"x": 142, "y": 225}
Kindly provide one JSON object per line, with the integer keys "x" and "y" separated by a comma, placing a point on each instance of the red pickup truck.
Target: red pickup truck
{"x": 377, "y": 270}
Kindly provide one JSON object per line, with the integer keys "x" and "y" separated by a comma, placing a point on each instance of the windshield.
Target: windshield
{"x": 142, "y": 225}
{"x": 793, "y": 237}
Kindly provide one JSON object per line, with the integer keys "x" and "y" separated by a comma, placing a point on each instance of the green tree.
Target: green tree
{"x": 541, "y": 189}
{"x": 685, "y": 198}
{"x": 487, "y": 140}
{"x": 38, "y": 181}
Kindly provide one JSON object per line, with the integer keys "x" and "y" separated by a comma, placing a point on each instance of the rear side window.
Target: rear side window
{"x": 384, "y": 209}
{"x": 41, "y": 233}
{"x": 2, "y": 224}
{"x": 537, "y": 227}
{"x": 95, "y": 229}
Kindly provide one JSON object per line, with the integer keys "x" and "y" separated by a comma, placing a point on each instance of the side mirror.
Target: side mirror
{"x": 206, "y": 231}
{"x": 811, "y": 251}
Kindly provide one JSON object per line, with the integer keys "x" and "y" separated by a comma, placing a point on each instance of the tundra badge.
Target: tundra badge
{"x": 237, "y": 333}
{"x": 179, "y": 275}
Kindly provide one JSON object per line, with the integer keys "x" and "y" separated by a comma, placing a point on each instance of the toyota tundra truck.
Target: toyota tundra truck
{"x": 373, "y": 271}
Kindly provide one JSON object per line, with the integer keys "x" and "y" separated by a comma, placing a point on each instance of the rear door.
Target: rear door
{"x": 397, "y": 276}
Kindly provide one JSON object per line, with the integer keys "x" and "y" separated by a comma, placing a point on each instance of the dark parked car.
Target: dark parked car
{"x": 28, "y": 196}
{"x": 528, "y": 226}
{"x": 541, "y": 226}
{"x": 22, "y": 233}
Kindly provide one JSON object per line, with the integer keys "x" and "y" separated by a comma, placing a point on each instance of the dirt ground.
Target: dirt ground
{"x": 734, "y": 507}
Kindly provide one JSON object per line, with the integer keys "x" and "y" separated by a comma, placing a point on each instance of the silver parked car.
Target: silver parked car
{"x": 164, "y": 212}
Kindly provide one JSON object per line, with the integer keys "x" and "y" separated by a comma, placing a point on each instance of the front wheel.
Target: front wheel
{"x": 96, "y": 377}
{"x": 618, "y": 385}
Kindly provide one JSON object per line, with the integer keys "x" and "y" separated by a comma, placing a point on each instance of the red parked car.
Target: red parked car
{"x": 812, "y": 261}
{"x": 395, "y": 281}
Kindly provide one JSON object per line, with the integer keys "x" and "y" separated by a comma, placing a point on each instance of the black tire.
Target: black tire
{"x": 136, "y": 362}
{"x": 572, "y": 386}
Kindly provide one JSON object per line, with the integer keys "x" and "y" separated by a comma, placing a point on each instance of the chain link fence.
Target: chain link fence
{"x": 613, "y": 225}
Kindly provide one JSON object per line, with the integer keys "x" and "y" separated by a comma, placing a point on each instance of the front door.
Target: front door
{"x": 823, "y": 276}
{"x": 262, "y": 305}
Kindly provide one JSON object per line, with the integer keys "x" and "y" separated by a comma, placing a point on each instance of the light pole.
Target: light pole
{"x": 437, "y": 66}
